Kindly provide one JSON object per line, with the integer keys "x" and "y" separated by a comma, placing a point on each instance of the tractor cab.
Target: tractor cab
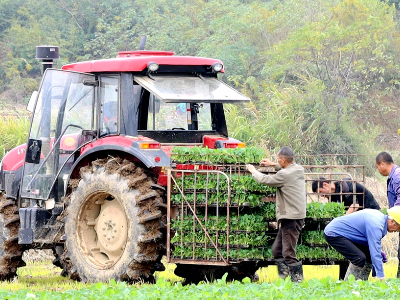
{"x": 137, "y": 102}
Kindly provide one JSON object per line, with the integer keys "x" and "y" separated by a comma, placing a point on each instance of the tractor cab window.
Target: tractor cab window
{"x": 109, "y": 94}
{"x": 183, "y": 108}
{"x": 178, "y": 116}
{"x": 79, "y": 108}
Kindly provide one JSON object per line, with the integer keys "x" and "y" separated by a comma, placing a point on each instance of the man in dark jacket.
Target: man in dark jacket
{"x": 290, "y": 210}
{"x": 343, "y": 191}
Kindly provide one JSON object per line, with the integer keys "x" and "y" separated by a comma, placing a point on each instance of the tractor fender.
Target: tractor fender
{"x": 11, "y": 171}
{"x": 14, "y": 159}
{"x": 120, "y": 145}
{"x": 130, "y": 145}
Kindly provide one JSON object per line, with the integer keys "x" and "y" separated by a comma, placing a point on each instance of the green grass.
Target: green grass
{"x": 44, "y": 276}
{"x": 270, "y": 274}
{"x": 41, "y": 280}
{"x": 41, "y": 276}
{"x": 13, "y": 132}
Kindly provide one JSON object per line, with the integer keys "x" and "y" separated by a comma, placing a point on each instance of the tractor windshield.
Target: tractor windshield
{"x": 64, "y": 107}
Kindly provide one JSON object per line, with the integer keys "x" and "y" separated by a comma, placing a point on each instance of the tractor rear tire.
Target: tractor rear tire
{"x": 10, "y": 251}
{"x": 113, "y": 224}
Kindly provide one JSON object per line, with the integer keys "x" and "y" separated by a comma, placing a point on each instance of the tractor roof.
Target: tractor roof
{"x": 136, "y": 61}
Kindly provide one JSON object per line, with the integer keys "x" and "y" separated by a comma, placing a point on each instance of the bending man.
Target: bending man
{"x": 358, "y": 236}
{"x": 343, "y": 193}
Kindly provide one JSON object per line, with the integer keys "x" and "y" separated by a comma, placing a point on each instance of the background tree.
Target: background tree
{"x": 323, "y": 75}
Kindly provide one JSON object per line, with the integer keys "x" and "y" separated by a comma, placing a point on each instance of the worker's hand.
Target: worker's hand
{"x": 384, "y": 257}
{"x": 250, "y": 168}
{"x": 267, "y": 163}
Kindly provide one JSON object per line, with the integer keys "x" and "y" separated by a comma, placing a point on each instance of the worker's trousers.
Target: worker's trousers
{"x": 357, "y": 254}
{"x": 285, "y": 243}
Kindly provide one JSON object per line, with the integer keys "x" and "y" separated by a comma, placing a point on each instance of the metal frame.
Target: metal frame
{"x": 172, "y": 182}
{"x": 334, "y": 172}
{"x": 189, "y": 208}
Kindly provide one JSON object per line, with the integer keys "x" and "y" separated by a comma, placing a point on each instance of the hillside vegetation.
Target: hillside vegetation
{"x": 323, "y": 75}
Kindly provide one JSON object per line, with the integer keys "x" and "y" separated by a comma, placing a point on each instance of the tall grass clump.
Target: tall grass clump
{"x": 13, "y": 132}
{"x": 305, "y": 118}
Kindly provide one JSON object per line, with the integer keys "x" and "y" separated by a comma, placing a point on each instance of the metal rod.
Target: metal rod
{"x": 169, "y": 215}
{"x": 199, "y": 262}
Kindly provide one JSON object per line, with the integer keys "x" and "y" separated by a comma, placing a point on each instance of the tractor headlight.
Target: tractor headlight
{"x": 152, "y": 66}
{"x": 217, "y": 67}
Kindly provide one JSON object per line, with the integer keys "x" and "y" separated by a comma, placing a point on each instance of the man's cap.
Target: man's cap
{"x": 394, "y": 212}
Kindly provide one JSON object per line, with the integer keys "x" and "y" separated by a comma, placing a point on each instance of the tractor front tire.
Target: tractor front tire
{"x": 113, "y": 224}
{"x": 10, "y": 251}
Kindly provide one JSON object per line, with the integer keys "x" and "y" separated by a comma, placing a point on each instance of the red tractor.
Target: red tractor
{"x": 90, "y": 182}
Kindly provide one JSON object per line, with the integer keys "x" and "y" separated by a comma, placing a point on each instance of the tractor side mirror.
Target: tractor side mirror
{"x": 32, "y": 101}
{"x": 33, "y": 151}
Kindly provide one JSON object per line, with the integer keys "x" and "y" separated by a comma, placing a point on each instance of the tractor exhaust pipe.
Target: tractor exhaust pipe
{"x": 47, "y": 54}
{"x": 142, "y": 42}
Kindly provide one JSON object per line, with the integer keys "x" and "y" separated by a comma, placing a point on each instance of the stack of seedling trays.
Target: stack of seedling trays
{"x": 227, "y": 202}
{"x": 223, "y": 215}
{"x": 312, "y": 248}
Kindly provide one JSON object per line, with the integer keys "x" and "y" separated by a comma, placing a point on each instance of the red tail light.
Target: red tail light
{"x": 234, "y": 145}
{"x": 150, "y": 145}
